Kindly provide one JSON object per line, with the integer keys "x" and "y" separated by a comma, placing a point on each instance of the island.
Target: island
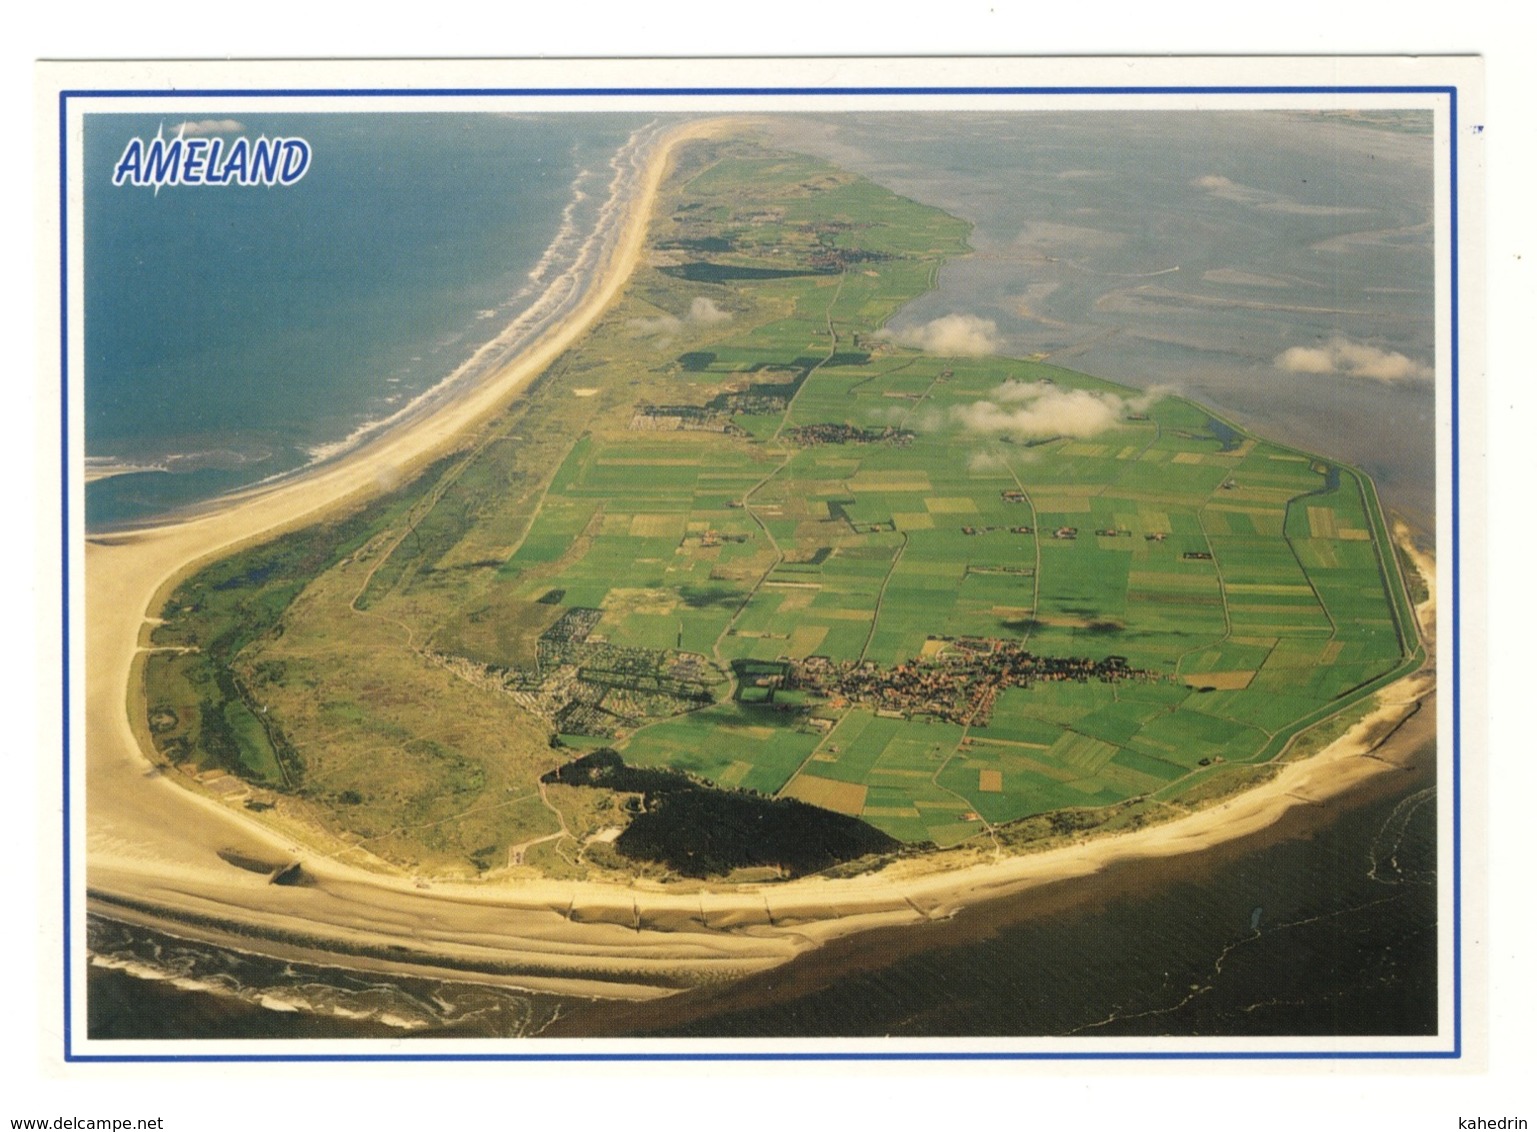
{"x": 725, "y": 620}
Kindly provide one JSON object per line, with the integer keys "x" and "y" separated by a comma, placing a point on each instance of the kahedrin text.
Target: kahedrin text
{"x": 212, "y": 161}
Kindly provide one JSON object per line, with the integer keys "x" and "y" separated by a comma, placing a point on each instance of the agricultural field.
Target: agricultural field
{"x": 745, "y": 533}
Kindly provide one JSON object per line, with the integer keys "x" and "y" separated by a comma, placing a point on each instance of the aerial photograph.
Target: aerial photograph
{"x": 655, "y": 574}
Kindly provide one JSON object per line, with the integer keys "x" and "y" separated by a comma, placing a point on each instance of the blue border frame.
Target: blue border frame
{"x": 1450, "y": 92}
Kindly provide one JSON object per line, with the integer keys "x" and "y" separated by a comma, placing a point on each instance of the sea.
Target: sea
{"x": 1276, "y": 266}
{"x": 1323, "y": 924}
{"x": 238, "y": 334}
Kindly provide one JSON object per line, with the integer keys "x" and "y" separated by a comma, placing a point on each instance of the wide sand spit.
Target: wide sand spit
{"x": 152, "y": 843}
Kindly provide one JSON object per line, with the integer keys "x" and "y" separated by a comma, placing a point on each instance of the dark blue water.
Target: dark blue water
{"x": 234, "y": 333}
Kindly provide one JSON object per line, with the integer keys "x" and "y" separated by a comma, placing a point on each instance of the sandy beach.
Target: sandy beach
{"x": 152, "y": 844}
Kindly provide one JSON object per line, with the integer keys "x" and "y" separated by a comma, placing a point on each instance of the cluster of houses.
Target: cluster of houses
{"x": 988, "y": 530}
{"x": 814, "y": 434}
{"x": 959, "y": 686}
{"x": 683, "y": 418}
{"x": 712, "y": 537}
{"x": 1071, "y": 533}
{"x": 587, "y": 685}
{"x": 1014, "y": 495}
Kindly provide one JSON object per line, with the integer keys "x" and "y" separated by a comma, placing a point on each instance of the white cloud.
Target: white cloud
{"x": 1039, "y": 409}
{"x": 702, "y": 312}
{"x": 210, "y": 126}
{"x": 952, "y": 336}
{"x": 705, "y": 312}
{"x": 663, "y": 324}
{"x": 1342, "y": 356}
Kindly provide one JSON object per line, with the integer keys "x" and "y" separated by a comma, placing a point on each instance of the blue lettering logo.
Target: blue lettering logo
{"x": 197, "y": 160}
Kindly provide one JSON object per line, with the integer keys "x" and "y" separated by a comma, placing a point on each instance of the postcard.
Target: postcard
{"x": 923, "y": 559}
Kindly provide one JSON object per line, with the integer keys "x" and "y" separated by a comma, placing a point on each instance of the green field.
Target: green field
{"x": 756, "y": 485}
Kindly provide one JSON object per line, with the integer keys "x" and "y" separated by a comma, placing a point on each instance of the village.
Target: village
{"x": 811, "y": 435}
{"x": 683, "y": 418}
{"x": 586, "y": 685}
{"x": 960, "y": 685}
